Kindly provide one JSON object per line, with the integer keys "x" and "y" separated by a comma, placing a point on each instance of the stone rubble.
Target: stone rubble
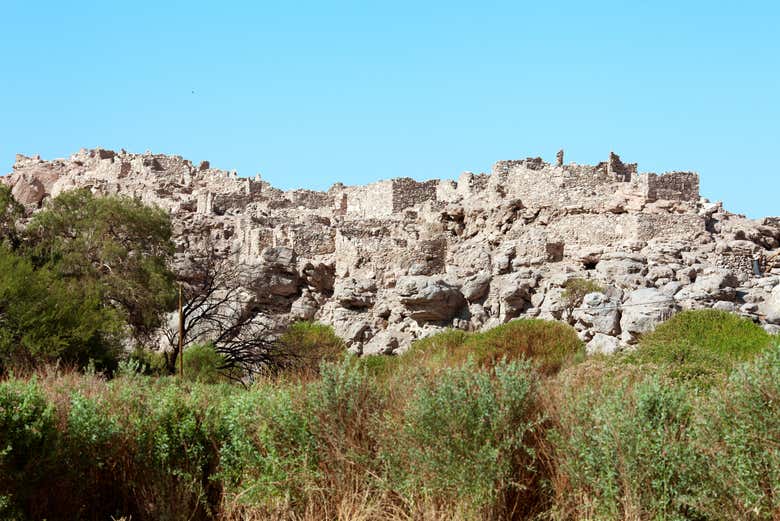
{"x": 399, "y": 259}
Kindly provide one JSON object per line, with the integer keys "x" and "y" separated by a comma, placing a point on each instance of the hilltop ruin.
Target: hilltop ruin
{"x": 399, "y": 259}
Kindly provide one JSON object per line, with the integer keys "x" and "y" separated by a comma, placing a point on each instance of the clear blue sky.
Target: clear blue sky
{"x": 310, "y": 93}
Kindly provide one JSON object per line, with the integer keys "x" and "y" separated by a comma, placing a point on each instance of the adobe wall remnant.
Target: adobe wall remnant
{"x": 400, "y": 259}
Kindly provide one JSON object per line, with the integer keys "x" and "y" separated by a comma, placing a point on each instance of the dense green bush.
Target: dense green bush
{"x": 45, "y": 318}
{"x": 346, "y": 406}
{"x": 462, "y": 438}
{"x": 28, "y": 441}
{"x": 701, "y": 344}
{"x": 550, "y": 345}
{"x": 202, "y": 364}
{"x": 308, "y": 344}
{"x": 268, "y": 459}
{"x": 741, "y": 440}
{"x": 626, "y": 452}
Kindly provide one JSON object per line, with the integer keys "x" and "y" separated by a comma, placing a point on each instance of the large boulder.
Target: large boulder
{"x": 643, "y": 310}
{"x": 28, "y": 191}
{"x": 476, "y": 287}
{"x": 711, "y": 286}
{"x": 616, "y": 264}
{"x": 514, "y": 292}
{"x": 386, "y": 342}
{"x": 599, "y": 314}
{"x": 622, "y": 269}
{"x": 354, "y": 293}
{"x": 602, "y": 344}
{"x": 319, "y": 276}
{"x": 772, "y": 306}
{"x": 428, "y": 299}
{"x": 276, "y": 275}
{"x": 304, "y": 307}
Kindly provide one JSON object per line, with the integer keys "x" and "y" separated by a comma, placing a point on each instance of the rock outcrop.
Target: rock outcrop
{"x": 396, "y": 260}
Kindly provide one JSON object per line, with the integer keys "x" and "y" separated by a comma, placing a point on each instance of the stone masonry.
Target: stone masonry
{"x": 400, "y": 259}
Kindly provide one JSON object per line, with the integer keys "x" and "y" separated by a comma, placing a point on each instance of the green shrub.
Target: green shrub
{"x": 701, "y": 345}
{"x": 549, "y": 344}
{"x": 626, "y": 452}
{"x": 308, "y": 344}
{"x": 346, "y": 406}
{"x": 173, "y": 436}
{"x": 202, "y": 364}
{"x": 741, "y": 439}
{"x": 144, "y": 361}
{"x": 574, "y": 290}
{"x": 268, "y": 459}
{"x": 462, "y": 438}
{"x": 28, "y": 441}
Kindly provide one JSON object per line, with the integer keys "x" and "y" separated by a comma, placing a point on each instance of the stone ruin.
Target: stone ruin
{"x": 396, "y": 260}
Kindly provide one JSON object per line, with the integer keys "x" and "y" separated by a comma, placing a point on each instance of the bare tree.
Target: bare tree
{"x": 218, "y": 310}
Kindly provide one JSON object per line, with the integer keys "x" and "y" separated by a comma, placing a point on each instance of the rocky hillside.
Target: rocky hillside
{"x": 605, "y": 248}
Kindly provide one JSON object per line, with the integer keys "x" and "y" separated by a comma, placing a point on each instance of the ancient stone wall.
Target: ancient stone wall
{"x": 407, "y": 192}
{"x": 369, "y": 201}
{"x": 658, "y": 225}
{"x": 396, "y": 260}
{"x": 674, "y": 186}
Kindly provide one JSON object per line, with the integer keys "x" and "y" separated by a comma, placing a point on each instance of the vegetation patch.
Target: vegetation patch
{"x": 574, "y": 290}
{"x": 549, "y": 345}
{"x": 308, "y": 344}
{"x": 701, "y": 344}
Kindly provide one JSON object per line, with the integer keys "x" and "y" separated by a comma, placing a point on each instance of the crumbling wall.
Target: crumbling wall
{"x": 675, "y": 186}
{"x": 619, "y": 170}
{"x": 407, "y": 192}
{"x": 660, "y": 225}
{"x": 592, "y": 229}
{"x": 369, "y": 201}
{"x": 547, "y": 185}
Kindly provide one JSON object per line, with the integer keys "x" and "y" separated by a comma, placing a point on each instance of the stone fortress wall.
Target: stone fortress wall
{"x": 176, "y": 183}
{"x": 399, "y": 259}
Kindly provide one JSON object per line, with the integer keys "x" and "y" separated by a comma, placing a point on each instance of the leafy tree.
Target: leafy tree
{"x": 45, "y": 318}
{"x": 117, "y": 244}
{"x": 10, "y": 212}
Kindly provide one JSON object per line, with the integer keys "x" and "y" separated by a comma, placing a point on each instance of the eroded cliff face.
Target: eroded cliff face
{"x": 396, "y": 260}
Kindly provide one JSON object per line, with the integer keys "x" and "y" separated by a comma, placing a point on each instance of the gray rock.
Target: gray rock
{"x": 475, "y": 287}
{"x": 357, "y": 331}
{"x": 304, "y": 308}
{"x": 385, "y": 342}
{"x": 280, "y": 257}
{"x": 602, "y": 344}
{"x": 428, "y": 299}
{"x": 614, "y": 265}
{"x": 353, "y": 293}
{"x": 772, "y": 306}
{"x": 748, "y": 308}
{"x": 319, "y": 276}
{"x": 276, "y": 275}
{"x": 599, "y": 314}
{"x": 642, "y": 311}
{"x": 724, "y": 305}
{"x": 772, "y": 329}
{"x": 713, "y": 286}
